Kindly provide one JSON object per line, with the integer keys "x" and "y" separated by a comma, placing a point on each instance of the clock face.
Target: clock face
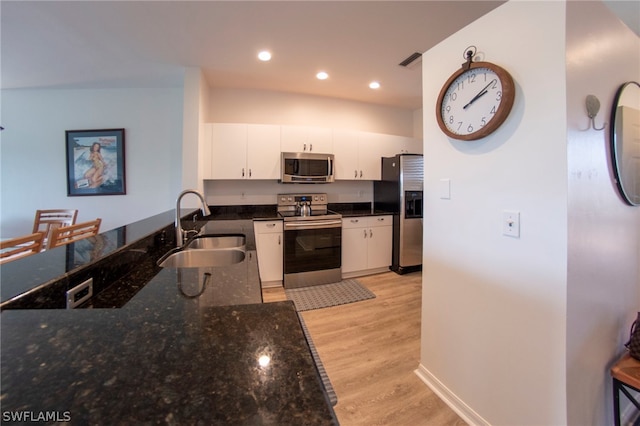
{"x": 475, "y": 102}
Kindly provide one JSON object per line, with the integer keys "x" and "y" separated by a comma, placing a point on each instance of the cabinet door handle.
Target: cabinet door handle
{"x": 243, "y": 172}
{"x": 249, "y": 172}
{"x": 365, "y": 233}
{"x": 304, "y": 147}
{"x": 360, "y": 173}
{"x": 310, "y": 147}
{"x": 279, "y": 240}
{"x": 355, "y": 173}
{"x": 370, "y": 233}
{"x": 271, "y": 225}
{"x": 355, "y": 220}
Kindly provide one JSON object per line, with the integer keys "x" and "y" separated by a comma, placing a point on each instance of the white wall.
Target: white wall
{"x": 33, "y": 162}
{"x": 266, "y": 107}
{"x": 494, "y": 307}
{"x": 192, "y": 131}
{"x": 260, "y": 192}
{"x": 604, "y": 233}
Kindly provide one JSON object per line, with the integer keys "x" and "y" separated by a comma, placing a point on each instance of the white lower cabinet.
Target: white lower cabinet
{"x": 367, "y": 242}
{"x": 269, "y": 246}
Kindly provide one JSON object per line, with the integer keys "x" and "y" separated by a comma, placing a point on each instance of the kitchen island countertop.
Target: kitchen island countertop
{"x": 164, "y": 357}
{"x": 245, "y": 364}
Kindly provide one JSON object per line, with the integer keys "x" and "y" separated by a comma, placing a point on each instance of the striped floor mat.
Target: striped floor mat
{"x": 328, "y": 387}
{"x": 327, "y": 295}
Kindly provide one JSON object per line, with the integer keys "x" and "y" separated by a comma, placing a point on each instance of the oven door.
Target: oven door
{"x": 312, "y": 252}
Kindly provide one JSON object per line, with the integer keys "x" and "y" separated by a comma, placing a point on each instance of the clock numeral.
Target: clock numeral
{"x": 470, "y": 128}
{"x": 448, "y": 108}
{"x": 471, "y": 78}
{"x": 483, "y": 122}
{"x": 495, "y": 84}
{"x": 498, "y": 95}
{"x": 459, "y": 124}
{"x": 453, "y": 96}
{"x": 493, "y": 110}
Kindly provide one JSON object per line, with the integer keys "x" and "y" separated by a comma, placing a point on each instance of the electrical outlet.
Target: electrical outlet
{"x": 511, "y": 223}
{"x": 79, "y": 294}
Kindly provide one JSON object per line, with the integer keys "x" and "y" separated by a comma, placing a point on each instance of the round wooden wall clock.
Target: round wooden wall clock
{"x": 475, "y": 100}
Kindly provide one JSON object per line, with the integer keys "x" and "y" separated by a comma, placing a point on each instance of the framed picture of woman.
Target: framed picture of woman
{"x": 95, "y": 162}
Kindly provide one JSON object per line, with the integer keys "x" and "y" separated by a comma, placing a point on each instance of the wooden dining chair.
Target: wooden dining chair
{"x": 19, "y": 247}
{"x": 46, "y": 220}
{"x": 69, "y": 234}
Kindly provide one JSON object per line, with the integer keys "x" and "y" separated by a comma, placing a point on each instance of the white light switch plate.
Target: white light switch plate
{"x": 511, "y": 223}
{"x": 445, "y": 189}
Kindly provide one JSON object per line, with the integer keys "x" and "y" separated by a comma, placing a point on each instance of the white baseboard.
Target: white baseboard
{"x": 271, "y": 284}
{"x": 449, "y": 398}
{"x": 356, "y": 274}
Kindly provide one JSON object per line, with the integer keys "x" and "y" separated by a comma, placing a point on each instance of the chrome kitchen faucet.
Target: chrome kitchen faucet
{"x": 180, "y": 233}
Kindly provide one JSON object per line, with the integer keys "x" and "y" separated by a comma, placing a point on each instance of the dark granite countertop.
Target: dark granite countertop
{"x": 356, "y": 209}
{"x": 159, "y": 356}
{"x": 35, "y": 272}
{"x": 157, "y": 287}
{"x": 181, "y": 364}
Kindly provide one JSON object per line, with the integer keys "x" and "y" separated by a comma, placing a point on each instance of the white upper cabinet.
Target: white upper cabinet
{"x": 263, "y": 151}
{"x": 357, "y": 154}
{"x": 345, "y": 149}
{"x": 252, "y": 151}
{"x": 228, "y": 151}
{"x": 372, "y": 147}
{"x": 306, "y": 139}
{"x": 244, "y": 151}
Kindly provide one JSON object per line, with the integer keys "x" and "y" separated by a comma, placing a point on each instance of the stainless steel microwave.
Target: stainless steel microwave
{"x": 307, "y": 167}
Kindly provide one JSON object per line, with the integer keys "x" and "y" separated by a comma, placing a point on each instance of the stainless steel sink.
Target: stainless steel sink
{"x": 201, "y": 258}
{"x": 216, "y": 242}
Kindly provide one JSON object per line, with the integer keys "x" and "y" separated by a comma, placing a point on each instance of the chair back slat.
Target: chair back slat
{"x": 19, "y": 247}
{"x": 69, "y": 234}
{"x": 46, "y": 220}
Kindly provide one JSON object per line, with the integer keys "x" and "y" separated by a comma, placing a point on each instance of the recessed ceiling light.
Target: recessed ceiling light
{"x": 265, "y": 55}
{"x": 322, "y": 75}
{"x": 374, "y": 85}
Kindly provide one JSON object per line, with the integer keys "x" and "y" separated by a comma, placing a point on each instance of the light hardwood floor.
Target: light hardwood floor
{"x": 370, "y": 350}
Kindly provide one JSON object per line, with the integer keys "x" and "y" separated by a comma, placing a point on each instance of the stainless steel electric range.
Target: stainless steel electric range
{"x": 312, "y": 240}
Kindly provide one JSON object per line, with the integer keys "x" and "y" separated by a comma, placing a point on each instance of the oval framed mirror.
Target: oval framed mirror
{"x": 625, "y": 141}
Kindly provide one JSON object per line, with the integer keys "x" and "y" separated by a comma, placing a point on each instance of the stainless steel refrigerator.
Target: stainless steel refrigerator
{"x": 400, "y": 193}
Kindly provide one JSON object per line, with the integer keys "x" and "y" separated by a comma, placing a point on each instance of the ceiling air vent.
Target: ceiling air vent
{"x": 410, "y": 59}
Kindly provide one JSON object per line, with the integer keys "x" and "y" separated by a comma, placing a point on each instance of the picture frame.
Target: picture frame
{"x": 95, "y": 162}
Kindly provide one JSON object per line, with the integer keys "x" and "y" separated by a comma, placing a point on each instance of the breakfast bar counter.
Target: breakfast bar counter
{"x": 245, "y": 364}
{"x": 158, "y": 354}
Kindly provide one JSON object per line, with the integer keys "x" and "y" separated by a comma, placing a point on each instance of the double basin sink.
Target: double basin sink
{"x": 207, "y": 251}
